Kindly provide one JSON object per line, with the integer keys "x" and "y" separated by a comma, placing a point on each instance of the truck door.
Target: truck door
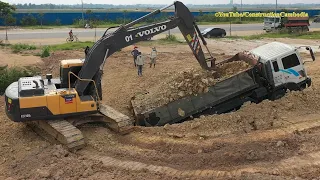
{"x": 278, "y": 76}
{"x": 292, "y": 68}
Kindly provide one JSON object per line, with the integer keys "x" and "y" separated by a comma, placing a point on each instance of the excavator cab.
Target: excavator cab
{"x": 70, "y": 65}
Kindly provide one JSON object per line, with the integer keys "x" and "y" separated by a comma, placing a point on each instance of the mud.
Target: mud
{"x": 270, "y": 140}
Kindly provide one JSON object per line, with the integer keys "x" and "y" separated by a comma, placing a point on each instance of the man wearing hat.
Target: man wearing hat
{"x": 140, "y": 63}
{"x": 153, "y": 56}
{"x": 134, "y": 53}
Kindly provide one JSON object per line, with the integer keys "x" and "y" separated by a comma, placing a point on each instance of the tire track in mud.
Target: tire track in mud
{"x": 294, "y": 164}
{"x": 168, "y": 171}
{"x": 285, "y": 166}
{"x": 288, "y": 165}
{"x": 230, "y": 138}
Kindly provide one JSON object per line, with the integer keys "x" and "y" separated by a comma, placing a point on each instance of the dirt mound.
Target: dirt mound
{"x": 51, "y": 63}
{"x": 189, "y": 82}
{"x": 251, "y": 116}
{"x": 10, "y": 59}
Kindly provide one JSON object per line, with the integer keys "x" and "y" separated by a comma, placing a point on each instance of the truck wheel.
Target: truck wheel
{"x": 277, "y": 94}
{"x": 302, "y": 87}
{"x": 208, "y": 36}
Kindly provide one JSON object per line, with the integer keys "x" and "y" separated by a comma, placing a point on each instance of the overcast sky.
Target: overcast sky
{"x": 158, "y": 2}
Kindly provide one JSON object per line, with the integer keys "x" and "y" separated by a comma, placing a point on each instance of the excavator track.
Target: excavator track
{"x": 59, "y": 131}
{"x": 116, "y": 121}
{"x": 66, "y": 133}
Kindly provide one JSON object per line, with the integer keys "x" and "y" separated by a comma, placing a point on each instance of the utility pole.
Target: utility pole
{"x": 82, "y": 13}
{"x": 230, "y": 28}
{"x": 275, "y": 12}
{"x": 240, "y": 10}
{"x": 6, "y": 22}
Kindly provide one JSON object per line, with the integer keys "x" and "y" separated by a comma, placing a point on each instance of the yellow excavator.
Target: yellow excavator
{"x": 53, "y": 107}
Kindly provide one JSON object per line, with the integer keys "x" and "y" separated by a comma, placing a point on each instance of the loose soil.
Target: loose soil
{"x": 271, "y": 140}
{"x": 10, "y": 59}
{"x": 185, "y": 83}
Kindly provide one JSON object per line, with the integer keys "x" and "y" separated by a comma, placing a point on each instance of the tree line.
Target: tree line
{"x": 104, "y": 6}
{"x": 30, "y": 20}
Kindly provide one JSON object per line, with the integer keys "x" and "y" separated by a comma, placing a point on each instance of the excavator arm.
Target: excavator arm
{"x": 127, "y": 35}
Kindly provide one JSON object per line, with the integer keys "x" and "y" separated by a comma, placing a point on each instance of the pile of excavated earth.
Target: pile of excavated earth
{"x": 271, "y": 140}
{"x": 188, "y": 82}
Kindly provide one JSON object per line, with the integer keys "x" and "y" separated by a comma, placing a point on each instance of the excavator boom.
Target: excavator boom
{"x": 126, "y": 35}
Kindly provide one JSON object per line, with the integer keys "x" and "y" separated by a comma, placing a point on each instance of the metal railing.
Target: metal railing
{"x": 88, "y": 80}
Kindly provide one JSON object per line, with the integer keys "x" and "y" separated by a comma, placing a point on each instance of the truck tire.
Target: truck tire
{"x": 305, "y": 29}
{"x": 302, "y": 87}
{"x": 277, "y": 94}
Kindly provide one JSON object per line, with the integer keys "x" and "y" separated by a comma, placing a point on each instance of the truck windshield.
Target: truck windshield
{"x": 271, "y": 19}
{"x": 290, "y": 61}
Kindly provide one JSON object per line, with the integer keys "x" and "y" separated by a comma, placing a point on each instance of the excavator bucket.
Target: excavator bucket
{"x": 245, "y": 56}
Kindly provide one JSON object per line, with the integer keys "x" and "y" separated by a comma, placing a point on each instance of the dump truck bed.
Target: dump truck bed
{"x": 223, "y": 96}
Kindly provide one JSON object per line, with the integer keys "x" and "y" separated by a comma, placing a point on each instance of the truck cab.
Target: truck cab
{"x": 283, "y": 66}
{"x": 270, "y": 23}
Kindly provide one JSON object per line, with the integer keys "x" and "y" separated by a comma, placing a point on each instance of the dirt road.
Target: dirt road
{"x": 271, "y": 140}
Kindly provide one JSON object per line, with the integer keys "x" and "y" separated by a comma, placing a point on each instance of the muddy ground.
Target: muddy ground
{"x": 271, "y": 140}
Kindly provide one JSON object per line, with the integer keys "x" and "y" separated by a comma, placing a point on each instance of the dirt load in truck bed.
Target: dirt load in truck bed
{"x": 188, "y": 82}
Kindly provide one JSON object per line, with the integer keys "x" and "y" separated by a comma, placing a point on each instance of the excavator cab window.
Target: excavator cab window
{"x": 64, "y": 75}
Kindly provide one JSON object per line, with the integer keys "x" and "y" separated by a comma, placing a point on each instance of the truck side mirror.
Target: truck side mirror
{"x": 312, "y": 54}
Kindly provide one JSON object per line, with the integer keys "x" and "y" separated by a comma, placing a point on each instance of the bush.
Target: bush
{"x": 12, "y": 74}
{"x": 57, "y": 22}
{"x": 28, "y": 20}
{"x": 45, "y": 52}
{"x": 19, "y": 47}
{"x": 170, "y": 38}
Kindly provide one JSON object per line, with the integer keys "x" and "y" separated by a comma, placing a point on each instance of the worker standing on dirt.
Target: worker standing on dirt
{"x": 134, "y": 53}
{"x": 153, "y": 56}
{"x": 140, "y": 63}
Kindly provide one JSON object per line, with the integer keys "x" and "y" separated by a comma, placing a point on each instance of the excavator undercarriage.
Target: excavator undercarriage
{"x": 65, "y": 131}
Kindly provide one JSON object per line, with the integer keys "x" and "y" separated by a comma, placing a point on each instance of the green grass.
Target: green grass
{"x": 22, "y": 47}
{"x": 45, "y": 52}
{"x": 306, "y": 35}
{"x": 71, "y": 46}
{"x": 110, "y": 24}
